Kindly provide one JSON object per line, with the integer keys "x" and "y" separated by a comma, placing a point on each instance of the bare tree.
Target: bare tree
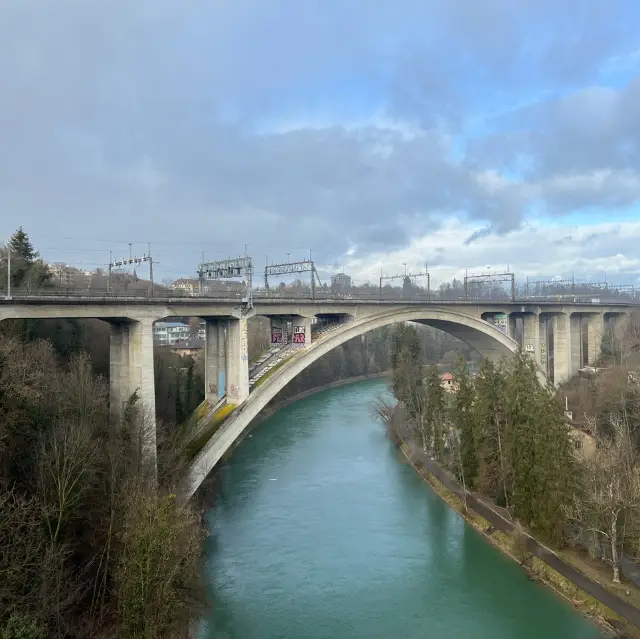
{"x": 607, "y": 503}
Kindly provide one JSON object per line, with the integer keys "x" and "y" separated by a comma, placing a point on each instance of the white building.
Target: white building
{"x": 168, "y": 333}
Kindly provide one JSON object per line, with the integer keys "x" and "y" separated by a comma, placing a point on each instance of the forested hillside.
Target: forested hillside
{"x": 90, "y": 545}
{"x": 505, "y": 436}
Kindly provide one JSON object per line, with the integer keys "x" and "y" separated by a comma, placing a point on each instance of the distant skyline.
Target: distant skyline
{"x": 454, "y": 133}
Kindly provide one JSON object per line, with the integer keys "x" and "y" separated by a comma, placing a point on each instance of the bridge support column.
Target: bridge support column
{"x": 512, "y": 323}
{"x": 531, "y": 335}
{"x": 595, "y": 331}
{"x": 561, "y": 348}
{"x": 215, "y": 366}
{"x": 544, "y": 322}
{"x": 237, "y": 361}
{"x": 131, "y": 371}
{"x": 301, "y": 331}
{"x": 278, "y": 331}
{"x": 577, "y": 357}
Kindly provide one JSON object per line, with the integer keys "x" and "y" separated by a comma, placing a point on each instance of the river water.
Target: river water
{"x": 320, "y": 532}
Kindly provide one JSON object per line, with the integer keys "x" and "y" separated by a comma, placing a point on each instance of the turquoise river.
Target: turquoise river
{"x": 320, "y": 532}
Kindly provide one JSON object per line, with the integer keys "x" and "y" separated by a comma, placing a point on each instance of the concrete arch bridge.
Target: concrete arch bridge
{"x": 575, "y": 342}
{"x": 560, "y": 337}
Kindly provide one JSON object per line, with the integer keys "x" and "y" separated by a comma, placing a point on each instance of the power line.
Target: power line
{"x": 174, "y": 243}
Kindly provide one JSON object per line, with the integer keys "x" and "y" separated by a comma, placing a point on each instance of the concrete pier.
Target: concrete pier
{"x": 531, "y": 336}
{"x": 131, "y": 372}
{"x": 595, "y": 331}
{"x": 576, "y": 321}
{"x": 562, "y": 359}
{"x": 215, "y": 367}
{"x": 301, "y": 331}
{"x": 237, "y": 361}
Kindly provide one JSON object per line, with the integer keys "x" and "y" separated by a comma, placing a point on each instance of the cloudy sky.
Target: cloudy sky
{"x": 459, "y": 133}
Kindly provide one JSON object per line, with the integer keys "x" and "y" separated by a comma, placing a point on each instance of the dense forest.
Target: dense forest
{"x": 90, "y": 544}
{"x": 505, "y": 436}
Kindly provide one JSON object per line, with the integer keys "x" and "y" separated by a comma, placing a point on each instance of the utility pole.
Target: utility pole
{"x": 150, "y": 266}
{"x": 8, "y": 296}
{"x": 109, "y": 277}
{"x": 426, "y": 270}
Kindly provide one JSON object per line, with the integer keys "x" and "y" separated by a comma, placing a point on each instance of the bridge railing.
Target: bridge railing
{"x": 161, "y": 293}
{"x": 103, "y": 293}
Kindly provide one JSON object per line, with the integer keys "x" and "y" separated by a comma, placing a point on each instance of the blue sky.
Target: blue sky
{"x": 375, "y": 133}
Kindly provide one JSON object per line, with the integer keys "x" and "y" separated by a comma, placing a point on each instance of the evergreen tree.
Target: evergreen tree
{"x": 22, "y": 248}
{"x": 520, "y": 390}
{"x": 434, "y": 418}
{"x": 406, "y": 363}
{"x": 490, "y": 420}
{"x": 27, "y": 269}
{"x": 541, "y": 458}
{"x": 464, "y": 422}
{"x": 556, "y": 470}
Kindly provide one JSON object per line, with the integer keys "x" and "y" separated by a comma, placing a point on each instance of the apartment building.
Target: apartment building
{"x": 168, "y": 333}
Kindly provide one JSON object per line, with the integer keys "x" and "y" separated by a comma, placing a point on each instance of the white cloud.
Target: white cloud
{"x": 590, "y": 252}
{"x": 342, "y": 127}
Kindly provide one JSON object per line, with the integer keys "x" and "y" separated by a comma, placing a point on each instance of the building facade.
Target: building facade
{"x": 186, "y": 286}
{"x": 340, "y": 281}
{"x": 168, "y": 333}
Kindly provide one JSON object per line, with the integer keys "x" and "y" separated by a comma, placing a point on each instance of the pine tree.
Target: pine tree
{"x": 464, "y": 422}
{"x": 22, "y": 248}
{"x": 556, "y": 468}
{"x": 406, "y": 363}
{"x": 541, "y": 458}
{"x": 490, "y": 420}
{"x": 27, "y": 269}
{"x": 520, "y": 391}
{"x": 434, "y": 418}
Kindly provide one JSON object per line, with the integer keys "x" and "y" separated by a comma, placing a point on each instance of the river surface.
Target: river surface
{"x": 320, "y": 532}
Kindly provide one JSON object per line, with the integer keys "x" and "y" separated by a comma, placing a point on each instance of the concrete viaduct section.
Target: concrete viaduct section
{"x": 561, "y": 338}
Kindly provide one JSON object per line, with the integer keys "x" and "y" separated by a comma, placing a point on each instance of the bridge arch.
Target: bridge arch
{"x": 479, "y": 334}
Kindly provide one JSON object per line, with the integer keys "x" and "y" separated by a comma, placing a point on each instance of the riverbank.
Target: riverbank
{"x": 613, "y": 615}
